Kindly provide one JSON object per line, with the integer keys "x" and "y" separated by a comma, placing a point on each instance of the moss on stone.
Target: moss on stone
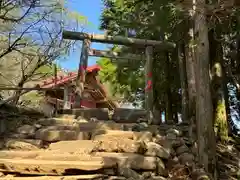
{"x": 221, "y": 124}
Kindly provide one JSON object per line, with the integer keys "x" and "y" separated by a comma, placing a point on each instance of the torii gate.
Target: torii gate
{"x": 119, "y": 40}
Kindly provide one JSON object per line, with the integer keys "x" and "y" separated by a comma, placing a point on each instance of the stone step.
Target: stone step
{"x": 55, "y": 129}
{"x": 52, "y": 167}
{"x": 132, "y": 160}
{"x": 77, "y": 177}
{"x": 137, "y": 136}
{"x": 109, "y": 144}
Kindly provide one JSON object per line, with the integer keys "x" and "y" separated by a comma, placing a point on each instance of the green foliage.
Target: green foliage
{"x": 144, "y": 19}
{"x": 80, "y": 19}
{"x": 31, "y": 99}
{"x": 108, "y": 73}
{"x": 122, "y": 81}
{"x": 166, "y": 20}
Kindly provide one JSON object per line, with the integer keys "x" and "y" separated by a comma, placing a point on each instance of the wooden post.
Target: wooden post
{"x": 80, "y": 80}
{"x": 55, "y": 82}
{"x": 148, "y": 88}
{"x": 57, "y": 107}
{"x": 66, "y": 104}
{"x": 2, "y": 126}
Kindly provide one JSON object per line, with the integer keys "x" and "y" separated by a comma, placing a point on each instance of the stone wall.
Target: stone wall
{"x": 118, "y": 115}
{"x": 128, "y": 115}
{"x": 98, "y": 113}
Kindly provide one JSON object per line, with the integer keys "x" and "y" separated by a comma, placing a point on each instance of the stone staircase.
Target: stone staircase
{"x": 88, "y": 144}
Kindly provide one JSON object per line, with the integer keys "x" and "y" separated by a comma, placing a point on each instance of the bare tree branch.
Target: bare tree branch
{"x": 5, "y": 18}
{"x": 14, "y": 45}
{"x": 37, "y": 45}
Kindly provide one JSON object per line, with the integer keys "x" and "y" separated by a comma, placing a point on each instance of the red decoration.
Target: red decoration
{"x": 149, "y": 74}
{"x": 149, "y": 85}
{"x": 83, "y": 67}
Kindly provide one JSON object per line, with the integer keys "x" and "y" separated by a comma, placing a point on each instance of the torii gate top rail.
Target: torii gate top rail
{"x": 117, "y": 40}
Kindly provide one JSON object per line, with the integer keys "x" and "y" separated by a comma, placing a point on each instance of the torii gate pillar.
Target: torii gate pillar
{"x": 83, "y": 63}
{"x": 149, "y": 84}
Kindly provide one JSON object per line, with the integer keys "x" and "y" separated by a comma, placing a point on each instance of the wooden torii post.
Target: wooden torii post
{"x": 148, "y": 44}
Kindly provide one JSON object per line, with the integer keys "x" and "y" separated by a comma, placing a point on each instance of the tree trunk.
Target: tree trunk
{"x": 238, "y": 55}
{"x": 204, "y": 110}
{"x": 175, "y": 116}
{"x": 17, "y": 94}
{"x": 183, "y": 79}
{"x": 161, "y": 116}
{"x": 169, "y": 112}
{"x": 159, "y": 108}
{"x": 219, "y": 106}
{"x": 169, "y": 109}
{"x": 188, "y": 26}
{"x": 16, "y": 97}
{"x": 191, "y": 83}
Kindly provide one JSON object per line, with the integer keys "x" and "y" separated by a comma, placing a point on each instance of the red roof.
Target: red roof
{"x": 93, "y": 68}
{"x": 48, "y": 83}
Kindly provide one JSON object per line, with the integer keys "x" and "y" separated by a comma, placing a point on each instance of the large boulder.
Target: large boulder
{"x": 62, "y": 133}
{"x": 56, "y": 121}
{"x": 16, "y": 144}
{"x": 27, "y": 130}
{"x": 56, "y": 135}
{"x": 186, "y": 158}
{"x": 182, "y": 149}
{"x": 131, "y": 160}
{"x": 161, "y": 169}
{"x": 143, "y": 126}
{"x": 154, "y": 149}
{"x": 116, "y": 144}
{"x": 138, "y": 136}
{"x": 74, "y": 147}
{"x": 125, "y": 115}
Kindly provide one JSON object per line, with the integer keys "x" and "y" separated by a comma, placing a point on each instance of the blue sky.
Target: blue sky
{"x": 92, "y": 10}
